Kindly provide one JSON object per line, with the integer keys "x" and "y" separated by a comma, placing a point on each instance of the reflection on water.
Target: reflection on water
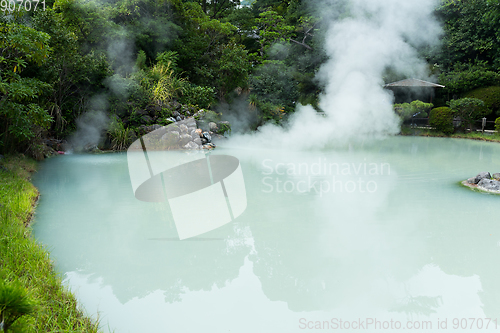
{"x": 379, "y": 231}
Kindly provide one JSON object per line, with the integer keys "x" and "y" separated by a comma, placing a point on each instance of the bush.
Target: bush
{"x": 467, "y": 78}
{"x": 490, "y": 96}
{"x": 497, "y": 125}
{"x": 468, "y": 109}
{"x": 442, "y": 119}
{"x": 203, "y": 97}
{"x": 409, "y": 110}
{"x": 121, "y": 137}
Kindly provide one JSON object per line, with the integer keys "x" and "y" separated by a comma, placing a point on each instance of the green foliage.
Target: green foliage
{"x": 224, "y": 128}
{"x": 14, "y": 303}
{"x": 272, "y": 29}
{"x": 163, "y": 84}
{"x": 466, "y": 78}
{"x": 442, "y": 120}
{"x": 409, "y": 110}
{"x": 203, "y": 97}
{"x": 140, "y": 62}
{"x": 169, "y": 59}
{"x": 121, "y": 137}
{"x": 21, "y": 115}
{"x": 274, "y": 83}
{"x": 489, "y": 95}
{"x": 472, "y": 32}
{"x": 468, "y": 109}
{"x": 497, "y": 125}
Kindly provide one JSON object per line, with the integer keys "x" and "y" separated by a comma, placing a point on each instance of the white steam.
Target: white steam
{"x": 91, "y": 125}
{"x": 373, "y": 36}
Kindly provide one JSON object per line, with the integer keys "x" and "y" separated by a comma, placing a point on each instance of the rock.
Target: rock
{"x": 197, "y": 141}
{"x": 203, "y": 141}
{"x": 212, "y": 126}
{"x": 482, "y": 175}
{"x": 194, "y": 135}
{"x": 171, "y": 139}
{"x": 176, "y": 114}
{"x": 91, "y": 148}
{"x": 173, "y": 128}
{"x": 141, "y": 112}
{"x": 190, "y": 122}
{"x": 207, "y": 136}
{"x": 199, "y": 132}
{"x": 209, "y": 146}
{"x": 183, "y": 128}
{"x": 185, "y": 138}
{"x": 471, "y": 180}
{"x": 496, "y": 176}
{"x": 489, "y": 184}
{"x": 172, "y": 119}
{"x": 144, "y": 129}
{"x": 146, "y": 119}
{"x": 178, "y": 118}
{"x": 191, "y": 145}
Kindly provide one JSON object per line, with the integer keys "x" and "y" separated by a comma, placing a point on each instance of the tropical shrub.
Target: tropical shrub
{"x": 442, "y": 119}
{"x": 468, "y": 109}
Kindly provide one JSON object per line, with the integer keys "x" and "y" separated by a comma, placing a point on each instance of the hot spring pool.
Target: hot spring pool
{"x": 369, "y": 238}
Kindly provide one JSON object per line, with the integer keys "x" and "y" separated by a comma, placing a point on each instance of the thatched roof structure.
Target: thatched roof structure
{"x": 410, "y": 83}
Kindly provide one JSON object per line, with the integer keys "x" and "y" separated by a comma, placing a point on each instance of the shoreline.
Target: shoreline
{"x": 27, "y": 262}
{"x": 477, "y": 188}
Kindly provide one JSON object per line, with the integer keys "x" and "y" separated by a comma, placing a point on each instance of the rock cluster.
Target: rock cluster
{"x": 182, "y": 134}
{"x": 486, "y": 181}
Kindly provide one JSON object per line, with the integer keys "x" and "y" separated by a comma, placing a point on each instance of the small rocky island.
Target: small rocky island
{"x": 485, "y": 182}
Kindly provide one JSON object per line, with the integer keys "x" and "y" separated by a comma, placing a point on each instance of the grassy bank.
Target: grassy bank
{"x": 433, "y": 133}
{"x": 26, "y": 263}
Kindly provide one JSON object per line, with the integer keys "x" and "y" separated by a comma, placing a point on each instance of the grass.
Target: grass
{"x": 23, "y": 261}
{"x": 406, "y": 131}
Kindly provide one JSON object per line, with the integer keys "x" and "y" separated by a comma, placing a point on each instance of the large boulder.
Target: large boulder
{"x": 489, "y": 184}
{"x": 481, "y": 176}
{"x": 185, "y": 138}
{"x": 496, "y": 176}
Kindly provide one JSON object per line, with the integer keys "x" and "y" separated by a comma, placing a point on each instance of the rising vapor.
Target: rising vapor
{"x": 365, "y": 38}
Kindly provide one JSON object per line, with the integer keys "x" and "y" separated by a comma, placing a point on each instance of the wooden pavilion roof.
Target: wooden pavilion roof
{"x": 413, "y": 83}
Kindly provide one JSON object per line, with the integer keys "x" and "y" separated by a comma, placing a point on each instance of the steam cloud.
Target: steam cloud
{"x": 91, "y": 125}
{"x": 364, "y": 39}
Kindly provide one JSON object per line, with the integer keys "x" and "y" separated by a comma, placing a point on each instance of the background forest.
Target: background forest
{"x": 117, "y": 66}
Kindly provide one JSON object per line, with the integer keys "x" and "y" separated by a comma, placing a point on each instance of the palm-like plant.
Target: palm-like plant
{"x": 166, "y": 83}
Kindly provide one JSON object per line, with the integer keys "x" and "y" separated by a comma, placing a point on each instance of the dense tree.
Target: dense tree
{"x": 22, "y": 113}
{"x": 472, "y": 33}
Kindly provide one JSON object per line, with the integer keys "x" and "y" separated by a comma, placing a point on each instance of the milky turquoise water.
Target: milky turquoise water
{"x": 365, "y": 234}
